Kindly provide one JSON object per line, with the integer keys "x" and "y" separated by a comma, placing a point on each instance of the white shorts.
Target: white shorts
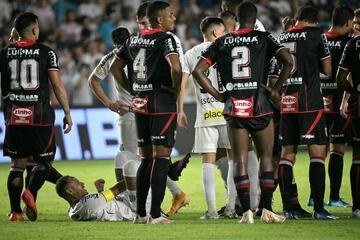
{"x": 128, "y": 136}
{"x": 208, "y": 139}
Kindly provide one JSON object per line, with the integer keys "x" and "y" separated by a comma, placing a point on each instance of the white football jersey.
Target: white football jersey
{"x": 102, "y": 70}
{"x": 209, "y": 110}
{"x": 93, "y": 207}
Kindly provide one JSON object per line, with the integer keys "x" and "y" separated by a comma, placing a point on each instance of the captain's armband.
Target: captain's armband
{"x": 108, "y": 194}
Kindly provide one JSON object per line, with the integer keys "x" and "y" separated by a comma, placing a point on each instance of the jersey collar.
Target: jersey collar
{"x": 150, "y": 31}
{"x": 332, "y": 34}
{"x": 242, "y": 31}
{"x": 297, "y": 27}
{"x": 24, "y": 43}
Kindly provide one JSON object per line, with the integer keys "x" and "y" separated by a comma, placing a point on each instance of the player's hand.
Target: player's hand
{"x": 99, "y": 185}
{"x": 114, "y": 106}
{"x": 344, "y": 109}
{"x": 288, "y": 22}
{"x": 274, "y": 96}
{"x": 67, "y": 123}
{"x": 182, "y": 119}
{"x": 124, "y": 108}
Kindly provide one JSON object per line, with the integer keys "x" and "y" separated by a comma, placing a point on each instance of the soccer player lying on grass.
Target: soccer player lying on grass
{"x": 111, "y": 204}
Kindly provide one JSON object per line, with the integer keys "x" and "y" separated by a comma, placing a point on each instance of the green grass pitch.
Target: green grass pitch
{"x": 53, "y": 222}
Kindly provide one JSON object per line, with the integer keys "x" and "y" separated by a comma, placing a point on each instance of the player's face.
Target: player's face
{"x": 356, "y": 24}
{"x": 76, "y": 188}
{"x": 167, "y": 19}
{"x": 143, "y": 22}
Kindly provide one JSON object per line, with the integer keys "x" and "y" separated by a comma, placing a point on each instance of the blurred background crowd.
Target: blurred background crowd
{"x": 79, "y": 31}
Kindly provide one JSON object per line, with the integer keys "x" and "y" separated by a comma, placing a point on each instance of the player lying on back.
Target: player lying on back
{"x": 111, "y": 204}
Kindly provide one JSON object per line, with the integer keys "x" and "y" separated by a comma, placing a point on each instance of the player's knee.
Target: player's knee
{"x": 41, "y": 167}
{"x": 130, "y": 168}
{"x": 123, "y": 157}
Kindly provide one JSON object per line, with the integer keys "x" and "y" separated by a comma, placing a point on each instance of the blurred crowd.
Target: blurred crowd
{"x": 80, "y": 30}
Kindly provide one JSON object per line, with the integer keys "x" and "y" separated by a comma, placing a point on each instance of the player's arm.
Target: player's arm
{"x": 111, "y": 193}
{"x": 326, "y": 68}
{"x": 61, "y": 96}
{"x": 284, "y": 57}
{"x": 176, "y": 72}
{"x": 182, "y": 118}
{"x": 203, "y": 81}
{"x": 94, "y": 83}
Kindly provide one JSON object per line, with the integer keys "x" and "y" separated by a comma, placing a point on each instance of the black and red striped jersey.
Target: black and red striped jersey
{"x": 24, "y": 67}
{"x": 243, "y": 60}
{"x": 301, "y": 91}
{"x": 351, "y": 61}
{"x": 331, "y": 94}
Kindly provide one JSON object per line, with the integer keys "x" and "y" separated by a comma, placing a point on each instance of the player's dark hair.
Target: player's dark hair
{"x": 227, "y": 15}
{"x": 154, "y": 9}
{"x": 141, "y": 11}
{"x": 61, "y": 185}
{"x": 119, "y": 36}
{"x": 357, "y": 12}
{"x": 246, "y": 13}
{"x": 341, "y": 15}
{"x": 232, "y": 4}
{"x": 208, "y": 22}
{"x": 23, "y": 21}
{"x": 308, "y": 14}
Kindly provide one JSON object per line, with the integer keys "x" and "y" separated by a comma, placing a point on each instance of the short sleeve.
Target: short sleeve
{"x": 273, "y": 45}
{"x": 186, "y": 64}
{"x": 52, "y": 63}
{"x": 324, "y": 47}
{"x": 210, "y": 54}
{"x": 102, "y": 70}
{"x": 347, "y": 56}
{"x": 170, "y": 46}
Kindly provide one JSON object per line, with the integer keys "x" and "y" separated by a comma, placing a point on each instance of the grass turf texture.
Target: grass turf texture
{"x": 53, "y": 221}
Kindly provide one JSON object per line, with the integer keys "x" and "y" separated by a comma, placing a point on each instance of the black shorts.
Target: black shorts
{"x": 156, "y": 129}
{"x": 337, "y": 128}
{"x": 354, "y": 132}
{"x": 277, "y": 143}
{"x": 250, "y": 124}
{"x": 23, "y": 141}
{"x": 303, "y": 128}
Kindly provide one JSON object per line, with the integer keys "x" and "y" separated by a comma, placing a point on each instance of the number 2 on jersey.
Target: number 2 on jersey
{"x": 139, "y": 64}
{"x": 28, "y": 71}
{"x": 240, "y": 63}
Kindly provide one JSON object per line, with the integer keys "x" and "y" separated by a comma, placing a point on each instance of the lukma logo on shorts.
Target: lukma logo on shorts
{"x": 213, "y": 115}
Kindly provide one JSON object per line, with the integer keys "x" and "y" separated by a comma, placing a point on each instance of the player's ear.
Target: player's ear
{"x": 33, "y": 31}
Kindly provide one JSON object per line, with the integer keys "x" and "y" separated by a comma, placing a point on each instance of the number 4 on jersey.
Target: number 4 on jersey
{"x": 139, "y": 65}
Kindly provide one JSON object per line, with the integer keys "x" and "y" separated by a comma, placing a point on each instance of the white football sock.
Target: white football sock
{"x": 231, "y": 189}
{"x": 253, "y": 173}
{"x": 209, "y": 185}
{"x": 173, "y": 187}
{"x": 222, "y": 165}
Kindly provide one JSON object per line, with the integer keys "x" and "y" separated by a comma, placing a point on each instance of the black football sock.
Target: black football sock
{"x": 39, "y": 174}
{"x": 355, "y": 183}
{"x": 267, "y": 188}
{"x": 336, "y": 163}
{"x": 159, "y": 173}
{"x": 285, "y": 175}
{"x": 53, "y": 176}
{"x": 29, "y": 168}
{"x": 242, "y": 185}
{"x": 294, "y": 197}
{"x": 143, "y": 185}
{"x": 15, "y": 184}
{"x": 317, "y": 182}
